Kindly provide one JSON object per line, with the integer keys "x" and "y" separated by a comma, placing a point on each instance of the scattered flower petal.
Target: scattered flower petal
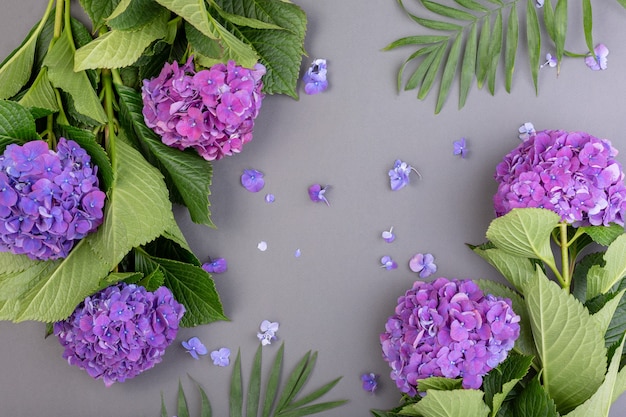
{"x": 221, "y": 357}
{"x": 370, "y": 382}
{"x": 388, "y": 235}
{"x": 550, "y": 60}
{"x": 598, "y": 60}
{"x": 252, "y": 180}
{"x": 315, "y": 77}
{"x": 216, "y": 266}
{"x": 424, "y": 264}
{"x": 526, "y": 130}
{"x": 262, "y": 246}
{"x": 539, "y": 3}
{"x": 268, "y": 332}
{"x": 388, "y": 263}
{"x": 269, "y": 198}
{"x": 460, "y": 147}
{"x": 194, "y": 347}
{"x": 317, "y": 193}
{"x": 399, "y": 174}
{"x": 298, "y": 253}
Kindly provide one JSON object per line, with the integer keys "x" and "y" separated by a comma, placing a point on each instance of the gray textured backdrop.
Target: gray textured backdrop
{"x": 335, "y": 298}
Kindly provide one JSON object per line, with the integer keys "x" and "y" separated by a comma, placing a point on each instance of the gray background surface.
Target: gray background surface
{"x": 335, "y": 298}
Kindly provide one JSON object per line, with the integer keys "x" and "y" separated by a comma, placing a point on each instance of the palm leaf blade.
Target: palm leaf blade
{"x": 272, "y": 382}
{"x": 254, "y": 385}
{"x": 495, "y": 48}
{"x": 469, "y": 64}
{"x": 431, "y": 73}
{"x": 448, "y": 72}
{"x": 420, "y": 72}
{"x": 588, "y": 24}
{"x": 533, "y": 38}
{"x": 235, "y": 399}
{"x": 510, "y": 49}
{"x": 482, "y": 54}
{"x": 447, "y": 11}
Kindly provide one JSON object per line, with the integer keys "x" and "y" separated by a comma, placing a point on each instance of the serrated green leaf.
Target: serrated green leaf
{"x": 16, "y": 69}
{"x": 534, "y": 401}
{"x": 468, "y": 67}
{"x": 188, "y": 171}
{"x": 41, "y": 95}
{"x": 568, "y": 341}
{"x": 15, "y": 284}
{"x": 17, "y": 125}
{"x": 98, "y": 10}
{"x": 447, "y": 11}
{"x": 517, "y": 270}
{"x": 604, "y": 235}
{"x": 617, "y": 327}
{"x": 415, "y": 40}
{"x": 120, "y": 48}
{"x": 579, "y": 278}
{"x": 450, "y": 404}
{"x": 449, "y": 71}
{"x": 60, "y": 63}
{"x": 510, "y": 48}
{"x": 439, "y": 383}
{"x": 194, "y": 12}
{"x": 600, "y": 402}
{"x": 601, "y": 279}
{"x": 525, "y": 232}
{"x": 251, "y": 22}
{"x": 431, "y": 72}
{"x": 525, "y": 343}
{"x": 133, "y": 14}
{"x": 498, "y": 383}
{"x": 606, "y": 313}
{"x": 209, "y": 49}
{"x": 533, "y": 41}
{"x": 153, "y": 281}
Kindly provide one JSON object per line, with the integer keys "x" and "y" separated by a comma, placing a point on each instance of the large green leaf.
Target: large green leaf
{"x": 121, "y": 48}
{"x": 601, "y": 279}
{"x": 16, "y": 69}
{"x": 604, "y": 235}
{"x": 133, "y": 14}
{"x": 98, "y": 10}
{"x": 450, "y": 404}
{"x": 499, "y": 383}
{"x": 569, "y": 343}
{"x": 515, "y": 269}
{"x": 41, "y": 94}
{"x": 60, "y": 63}
{"x": 525, "y": 232}
{"x": 188, "y": 171}
{"x": 534, "y": 401}
{"x": 16, "y": 124}
{"x": 138, "y": 208}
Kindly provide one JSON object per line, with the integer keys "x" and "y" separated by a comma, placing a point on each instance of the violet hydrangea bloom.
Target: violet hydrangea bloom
{"x": 317, "y": 193}
{"x": 252, "y": 180}
{"x": 120, "y": 331}
{"x": 268, "y": 332}
{"x": 315, "y": 77}
{"x": 424, "y": 264}
{"x": 216, "y": 266}
{"x": 598, "y": 61}
{"x": 211, "y": 111}
{"x": 573, "y": 174}
{"x": 48, "y": 200}
{"x": 399, "y": 175}
{"x": 447, "y": 328}
{"x": 194, "y": 347}
{"x": 369, "y": 382}
{"x": 388, "y": 263}
{"x": 221, "y": 357}
{"x": 460, "y": 147}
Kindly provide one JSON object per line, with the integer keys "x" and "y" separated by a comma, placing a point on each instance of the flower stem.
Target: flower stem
{"x": 565, "y": 267}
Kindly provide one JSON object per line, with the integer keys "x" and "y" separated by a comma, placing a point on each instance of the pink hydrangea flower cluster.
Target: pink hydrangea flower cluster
{"x": 447, "y": 328}
{"x": 120, "y": 332}
{"x": 573, "y": 174}
{"x": 211, "y": 111}
{"x": 48, "y": 200}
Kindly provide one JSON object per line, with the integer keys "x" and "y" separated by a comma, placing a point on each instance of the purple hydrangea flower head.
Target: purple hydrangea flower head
{"x": 447, "y": 328}
{"x": 252, "y": 180}
{"x": 120, "y": 331}
{"x": 317, "y": 193}
{"x": 460, "y": 147}
{"x": 216, "y": 266}
{"x": 211, "y": 111}
{"x": 315, "y": 77}
{"x": 195, "y": 347}
{"x": 388, "y": 263}
{"x": 369, "y": 382}
{"x": 598, "y": 61}
{"x": 48, "y": 200}
{"x": 424, "y": 264}
{"x": 221, "y": 357}
{"x": 399, "y": 175}
{"x": 573, "y": 174}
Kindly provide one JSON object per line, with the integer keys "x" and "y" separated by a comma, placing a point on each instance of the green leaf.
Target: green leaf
{"x": 600, "y": 403}
{"x": 499, "y": 382}
{"x": 203, "y": 45}
{"x": 98, "y": 10}
{"x": 254, "y": 385}
{"x": 482, "y": 53}
{"x": 240, "y": 20}
{"x": 41, "y": 95}
{"x": 271, "y": 388}
{"x": 525, "y": 232}
{"x": 560, "y": 29}
{"x": 415, "y": 40}
{"x": 548, "y": 18}
{"x": 137, "y": 208}
{"x": 515, "y": 269}
{"x": 469, "y": 64}
{"x": 579, "y": 278}
{"x": 472, "y": 5}
{"x": 439, "y": 384}
{"x": 431, "y": 73}
{"x": 235, "y": 398}
{"x": 533, "y": 41}
{"x": 525, "y": 343}
{"x": 417, "y": 78}
{"x": 181, "y": 404}
{"x": 120, "y": 48}
{"x": 495, "y": 48}
{"x": 16, "y": 124}
{"x": 133, "y": 14}
{"x": 617, "y": 327}
{"x": 191, "y": 285}
{"x": 588, "y": 24}
{"x": 534, "y": 401}
{"x": 449, "y": 71}
{"x": 187, "y": 171}
{"x": 450, "y": 404}
{"x": 447, "y": 11}
{"x": 193, "y": 11}
{"x": 16, "y": 69}
{"x": 60, "y": 63}
{"x": 604, "y": 235}
{"x": 510, "y": 48}
{"x": 601, "y": 279}
{"x": 296, "y": 379}
{"x": 604, "y": 316}
{"x": 568, "y": 341}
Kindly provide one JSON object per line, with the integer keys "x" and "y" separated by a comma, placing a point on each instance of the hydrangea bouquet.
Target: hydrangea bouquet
{"x": 102, "y": 130}
{"x": 551, "y": 342}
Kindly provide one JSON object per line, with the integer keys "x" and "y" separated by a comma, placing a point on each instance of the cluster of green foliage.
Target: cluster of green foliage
{"x": 67, "y": 80}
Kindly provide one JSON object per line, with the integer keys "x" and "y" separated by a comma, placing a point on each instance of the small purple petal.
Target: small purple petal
{"x": 423, "y": 264}
{"x": 194, "y": 347}
{"x": 369, "y": 382}
{"x": 221, "y": 357}
{"x": 216, "y": 266}
{"x": 388, "y": 263}
{"x": 388, "y": 235}
{"x": 269, "y": 198}
{"x": 598, "y": 60}
{"x": 317, "y": 193}
{"x": 460, "y": 147}
{"x": 262, "y": 246}
{"x": 252, "y": 180}
{"x": 298, "y": 253}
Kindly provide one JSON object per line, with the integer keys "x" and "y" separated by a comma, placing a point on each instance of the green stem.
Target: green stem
{"x": 58, "y": 19}
{"x": 565, "y": 266}
{"x": 109, "y": 129}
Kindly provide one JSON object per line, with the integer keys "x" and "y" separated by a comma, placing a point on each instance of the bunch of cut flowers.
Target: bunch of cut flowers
{"x": 103, "y": 129}
{"x": 551, "y": 342}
